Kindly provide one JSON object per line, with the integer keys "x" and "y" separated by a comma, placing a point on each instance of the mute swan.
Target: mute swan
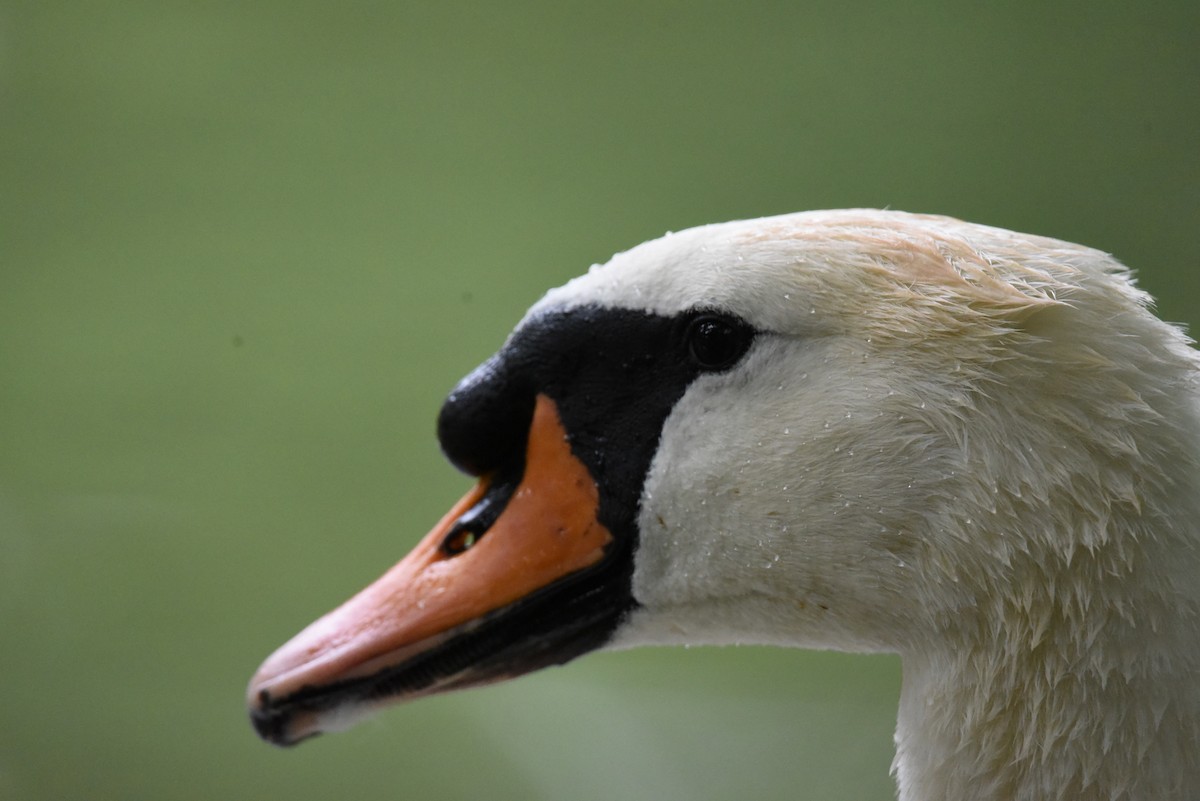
{"x": 859, "y": 430}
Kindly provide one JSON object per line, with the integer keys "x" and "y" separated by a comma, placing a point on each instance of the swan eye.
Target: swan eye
{"x": 717, "y": 342}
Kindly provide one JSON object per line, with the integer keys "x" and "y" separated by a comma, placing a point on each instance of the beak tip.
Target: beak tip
{"x": 276, "y": 725}
{"x": 267, "y": 723}
{"x": 272, "y": 722}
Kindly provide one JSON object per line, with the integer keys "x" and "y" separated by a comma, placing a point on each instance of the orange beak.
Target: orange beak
{"x": 417, "y": 629}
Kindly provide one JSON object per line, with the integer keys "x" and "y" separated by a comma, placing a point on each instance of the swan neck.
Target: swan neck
{"x": 973, "y": 724}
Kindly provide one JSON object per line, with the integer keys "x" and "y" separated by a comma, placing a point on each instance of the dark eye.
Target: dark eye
{"x": 717, "y": 341}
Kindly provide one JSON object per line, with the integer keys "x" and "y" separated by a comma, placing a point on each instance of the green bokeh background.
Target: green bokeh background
{"x": 245, "y": 249}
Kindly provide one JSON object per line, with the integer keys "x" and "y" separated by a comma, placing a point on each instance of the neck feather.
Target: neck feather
{"x": 1087, "y": 691}
{"x": 1066, "y": 662}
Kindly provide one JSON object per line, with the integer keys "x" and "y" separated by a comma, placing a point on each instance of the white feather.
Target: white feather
{"x": 972, "y": 447}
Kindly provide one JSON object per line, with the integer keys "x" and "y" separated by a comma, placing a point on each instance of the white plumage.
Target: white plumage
{"x": 972, "y": 447}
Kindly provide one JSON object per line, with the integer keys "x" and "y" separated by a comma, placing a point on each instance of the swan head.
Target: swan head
{"x": 858, "y": 430}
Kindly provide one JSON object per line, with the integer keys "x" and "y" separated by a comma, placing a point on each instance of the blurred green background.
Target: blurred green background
{"x": 245, "y": 249}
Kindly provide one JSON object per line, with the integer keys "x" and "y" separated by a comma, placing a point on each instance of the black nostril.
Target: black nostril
{"x": 476, "y": 521}
{"x": 485, "y": 421}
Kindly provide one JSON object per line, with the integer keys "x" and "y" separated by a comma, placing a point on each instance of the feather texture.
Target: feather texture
{"x": 973, "y": 447}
